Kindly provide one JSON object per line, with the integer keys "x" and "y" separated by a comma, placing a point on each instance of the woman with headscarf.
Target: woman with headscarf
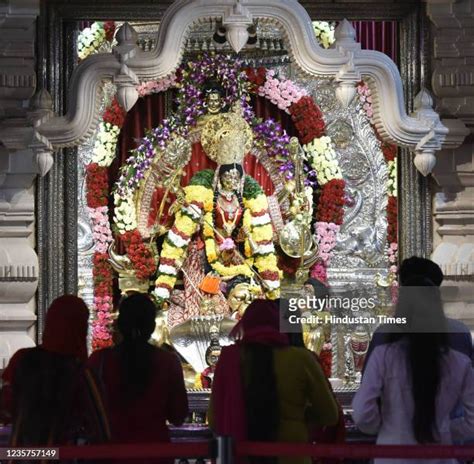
{"x": 266, "y": 390}
{"x": 142, "y": 386}
{"x": 41, "y": 385}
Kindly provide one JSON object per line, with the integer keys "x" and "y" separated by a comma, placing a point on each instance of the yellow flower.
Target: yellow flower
{"x": 257, "y": 204}
{"x": 208, "y": 231}
{"x": 273, "y": 294}
{"x": 165, "y": 279}
{"x": 211, "y": 251}
{"x": 235, "y": 270}
{"x": 247, "y": 219}
{"x": 200, "y": 194}
{"x": 266, "y": 263}
{"x": 185, "y": 224}
{"x": 171, "y": 252}
{"x": 247, "y": 248}
{"x": 260, "y": 233}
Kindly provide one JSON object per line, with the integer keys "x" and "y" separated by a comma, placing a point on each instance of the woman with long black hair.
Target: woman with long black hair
{"x": 411, "y": 384}
{"x": 266, "y": 390}
{"x": 142, "y": 386}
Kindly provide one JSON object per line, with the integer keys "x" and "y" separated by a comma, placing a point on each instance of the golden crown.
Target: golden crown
{"x": 227, "y": 138}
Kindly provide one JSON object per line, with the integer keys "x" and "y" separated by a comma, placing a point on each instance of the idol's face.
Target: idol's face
{"x": 239, "y": 298}
{"x": 230, "y": 180}
{"x": 214, "y": 103}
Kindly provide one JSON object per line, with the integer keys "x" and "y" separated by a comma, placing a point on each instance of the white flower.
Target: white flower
{"x": 125, "y": 214}
{"x": 105, "y": 145}
{"x": 324, "y": 161}
{"x": 162, "y": 292}
{"x": 90, "y": 39}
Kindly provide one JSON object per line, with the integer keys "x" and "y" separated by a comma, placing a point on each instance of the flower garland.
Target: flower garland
{"x": 365, "y": 98}
{"x": 327, "y": 233}
{"x": 97, "y": 193}
{"x": 199, "y": 209}
{"x": 281, "y": 92}
{"x": 101, "y": 232}
{"x": 103, "y": 278}
{"x": 97, "y": 185}
{"x": 140, "y": 255}
{"x": 152, "y": 87}
{"x": 322, "y": 157}
{"x": 324, "y": 32}
{"x": 91, "y": 38}
{"x": 331, "y": 202}
{"x": 308, "y": 119}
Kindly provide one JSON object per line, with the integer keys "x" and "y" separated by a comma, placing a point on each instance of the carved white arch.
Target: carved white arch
{"x": 424, "y": 133}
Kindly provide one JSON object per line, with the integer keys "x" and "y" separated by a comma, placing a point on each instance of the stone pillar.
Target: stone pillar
{"x": 453, "y": 203}
{"x": 18, "y": 170}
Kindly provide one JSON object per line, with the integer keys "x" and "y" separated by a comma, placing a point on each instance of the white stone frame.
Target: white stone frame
{"x": 423, "y": 132}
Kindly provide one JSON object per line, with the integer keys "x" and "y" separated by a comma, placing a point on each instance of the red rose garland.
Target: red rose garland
{"x": 308, "y": 119}
{"x": 97, "y": 185}
{"x": 392, "y": 219}
{"x": 140, "y": 255}
{"x": 331, "y": 202}
{"x": 114, "y": 114}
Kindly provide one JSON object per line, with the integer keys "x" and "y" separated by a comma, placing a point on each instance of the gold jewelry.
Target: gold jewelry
{"x": 227, "y": 138}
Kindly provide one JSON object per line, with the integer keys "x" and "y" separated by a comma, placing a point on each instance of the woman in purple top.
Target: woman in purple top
{"x": 412, "y": 383}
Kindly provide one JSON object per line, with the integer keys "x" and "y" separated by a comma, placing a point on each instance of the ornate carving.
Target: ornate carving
{"x": 390, "y": 118}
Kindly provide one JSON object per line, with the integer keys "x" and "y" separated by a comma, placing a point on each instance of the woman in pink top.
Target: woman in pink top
{"x": 412, "y": 384}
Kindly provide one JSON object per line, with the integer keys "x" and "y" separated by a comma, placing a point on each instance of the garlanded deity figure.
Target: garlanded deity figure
{"x": 225, "y": 214}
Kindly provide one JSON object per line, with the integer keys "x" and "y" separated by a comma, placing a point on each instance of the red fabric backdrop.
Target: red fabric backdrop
{"x": 378, "y": 35}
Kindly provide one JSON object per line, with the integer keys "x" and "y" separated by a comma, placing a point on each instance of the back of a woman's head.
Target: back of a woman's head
{"x": 66, "y": 325}
{"x": 136, "y": 319}
{"x": 420, "y": 302}
{"x": 136, "y": 323}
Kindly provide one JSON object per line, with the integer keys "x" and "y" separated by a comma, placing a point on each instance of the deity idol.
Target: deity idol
{"x": 222, "y": 228}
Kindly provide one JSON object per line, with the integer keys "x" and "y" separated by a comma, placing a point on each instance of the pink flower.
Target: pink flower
{"x": 227, "y": 244}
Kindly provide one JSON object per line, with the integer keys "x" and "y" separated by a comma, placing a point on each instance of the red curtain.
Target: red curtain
{"x": 378, "y": 35}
